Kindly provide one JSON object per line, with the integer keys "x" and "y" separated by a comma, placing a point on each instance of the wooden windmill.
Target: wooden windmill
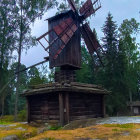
{"x": 66, "y": 100}
{"x": 63, "y": 40}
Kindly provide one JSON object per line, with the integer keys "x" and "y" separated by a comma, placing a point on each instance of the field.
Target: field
{"x": 93, "y": 131}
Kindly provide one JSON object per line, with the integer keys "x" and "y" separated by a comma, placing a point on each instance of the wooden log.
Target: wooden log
{"x": 85, "y": 117}
{"x": 54, "y": 117}
{"x": 61, "y": 109}
{"x": 34, "y": 117}
{"x": 29, "y": 110}
{"x": 67, "y": 107}
{"x": 53, "y": 112}
{"x": 86, "y": 85}
{"x": 36, "y": 112}
{"x": 103, "y": 106}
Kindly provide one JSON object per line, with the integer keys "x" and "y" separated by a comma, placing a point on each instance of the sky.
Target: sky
{"x": 120, "y": 9}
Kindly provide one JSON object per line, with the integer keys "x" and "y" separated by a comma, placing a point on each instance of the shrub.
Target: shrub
{"x": 22, "y": 116}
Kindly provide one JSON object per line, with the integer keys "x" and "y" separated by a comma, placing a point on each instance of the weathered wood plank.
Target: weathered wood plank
{"x": 67, "y": 107}
{"x": 29, "y": 110}
{"x": 61, "y": 108}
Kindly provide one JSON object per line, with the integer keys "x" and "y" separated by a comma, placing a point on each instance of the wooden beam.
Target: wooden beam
{"x": 103, "y": 105}
{"x": 32, "y": 66}
{"x": 61, "y": 109}
{"x": 67, "y": 107}
{"x": 28, "y": 110}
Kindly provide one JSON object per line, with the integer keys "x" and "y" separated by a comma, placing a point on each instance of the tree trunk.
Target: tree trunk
{"x": 130, "y": 97}
{"x": 2, "y": 105}
{"x": 18, "y": 67}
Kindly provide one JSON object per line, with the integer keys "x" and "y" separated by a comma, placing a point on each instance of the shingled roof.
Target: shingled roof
{"x": 63, "y": 87}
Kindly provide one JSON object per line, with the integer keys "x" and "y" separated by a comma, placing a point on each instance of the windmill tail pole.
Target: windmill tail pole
{"x": 31, "y": 66}
{"x": 14, "y": 76}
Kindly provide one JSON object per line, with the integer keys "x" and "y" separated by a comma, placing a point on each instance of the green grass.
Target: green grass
{"x": 55, "y": 128}
{"x": 4, "y": 123}
{"x": 120, "y": 125}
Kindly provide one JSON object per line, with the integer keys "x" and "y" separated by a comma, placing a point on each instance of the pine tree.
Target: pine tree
{"x": 110, "y": 46}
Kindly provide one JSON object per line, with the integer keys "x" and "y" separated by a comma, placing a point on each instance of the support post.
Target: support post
{"x": 28, "y": 110}
{"x": 61, "y": 109}
{"x": 67, "y": 107}
{"x": 103, "y": 105}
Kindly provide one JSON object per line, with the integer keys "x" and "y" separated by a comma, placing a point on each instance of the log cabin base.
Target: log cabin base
{"x": 64, "y": 102}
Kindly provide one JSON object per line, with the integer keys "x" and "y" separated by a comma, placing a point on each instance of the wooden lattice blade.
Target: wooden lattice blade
{"x": 65, "y": 30}
{"x": 90, "y": 40}
{"x": 89, "y": 8}
{"x": 72, "y": 5}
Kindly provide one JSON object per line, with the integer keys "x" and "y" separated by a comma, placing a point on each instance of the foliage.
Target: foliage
{"x": 7, "y": 118}
{"x": 35, "y": 77}
{"x": 22, "y": 116}
{"x": 55, "y": 128}
{"x": 120, "y": 125}
{"x": 86, "y": 73}
{"x": 63, "y": 6}
{"x": 120, "y": 73}
{"x": 16, "y": 16}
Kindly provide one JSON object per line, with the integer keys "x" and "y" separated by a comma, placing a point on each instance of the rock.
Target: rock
{"x": 12, "y": 137}
{"x": 20, "y": 128}
{"x": 126, "y": 133}
{"x": 41, "y": 130}
{"x": 3, "y": 126}
{"x": 27, "y": 135}
{"x": 23, "y": 122}
{"x": 11, "y": 125}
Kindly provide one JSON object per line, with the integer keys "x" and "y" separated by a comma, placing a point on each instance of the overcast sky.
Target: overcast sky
{"x": 120, "y": 9}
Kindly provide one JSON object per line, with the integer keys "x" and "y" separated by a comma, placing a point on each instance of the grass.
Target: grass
{"x": 23, "y": 131}
{"x": 7, "y": 118}
{"x": 120, "y": 125}
{"x": 105, "y": 131}
{"x": 109, "y": 132}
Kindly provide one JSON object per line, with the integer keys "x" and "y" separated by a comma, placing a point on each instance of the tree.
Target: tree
{"x": 28, "y": 12}
{"x": 35, "y": 77}
{"x": 64, "y": 5}
{"x": 129, "y": 48}
{"x": 7, "y": 42}
{"x": 111, "y": 73}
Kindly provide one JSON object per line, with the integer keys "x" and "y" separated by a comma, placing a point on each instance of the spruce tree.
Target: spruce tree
{"x": 110, "y": 46}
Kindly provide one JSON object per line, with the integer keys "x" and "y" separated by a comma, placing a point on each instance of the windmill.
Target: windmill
{"x": 66, "y": 100}
{"x": 62, "y": 41}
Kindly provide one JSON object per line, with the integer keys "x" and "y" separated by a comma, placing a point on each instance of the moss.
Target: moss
{"x": 119, "y": 125}
{"x": 21, "y": 130}
{"x": 55, "y": 128}
{"x": 7, "y": 118}
{"x": 115, "y": 130}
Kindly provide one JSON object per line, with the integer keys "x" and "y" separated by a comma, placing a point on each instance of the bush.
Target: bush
{"x": 22, "y": 116}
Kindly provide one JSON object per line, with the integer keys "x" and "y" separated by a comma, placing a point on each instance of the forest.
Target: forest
{"x": 119, "y": 74}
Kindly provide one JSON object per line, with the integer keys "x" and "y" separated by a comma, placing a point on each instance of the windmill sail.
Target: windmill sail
{"x": 89, "y": 8}
{"x": 72, "y": 5}
{"x": 64, "y": 31}
{"x": 90, "y": 40}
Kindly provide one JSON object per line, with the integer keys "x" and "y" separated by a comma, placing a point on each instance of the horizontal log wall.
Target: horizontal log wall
{"x": 85, "y": 106}
{"x": 44, "y": 108}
